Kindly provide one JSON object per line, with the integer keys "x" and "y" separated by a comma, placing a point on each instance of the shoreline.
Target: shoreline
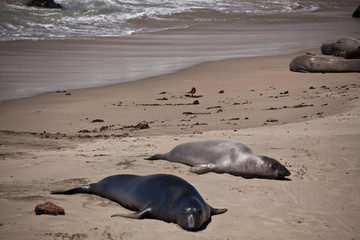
{"x": 261, "y": 102}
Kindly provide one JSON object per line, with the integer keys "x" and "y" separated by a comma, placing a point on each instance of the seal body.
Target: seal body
{"x": 348, "y": 48}
{"x": 323, "y": 64}
{"x": 159, "y": 196}
{"x": 224, "y": 156}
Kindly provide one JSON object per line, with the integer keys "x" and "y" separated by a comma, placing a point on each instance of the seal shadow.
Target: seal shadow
{"x": 277, "y": 179}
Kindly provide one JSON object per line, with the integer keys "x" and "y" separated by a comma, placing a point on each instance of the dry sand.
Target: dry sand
{"x": 309, "y": 122}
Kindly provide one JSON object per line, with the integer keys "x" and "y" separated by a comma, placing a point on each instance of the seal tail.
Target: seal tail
{"x": 156, "y": 157}
{"x": 80, "y": 189}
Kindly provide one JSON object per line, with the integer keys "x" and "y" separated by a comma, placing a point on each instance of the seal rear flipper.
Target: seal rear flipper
{"x": 203, "y": 168}
{"x": 136, "y": 215}
{"x": 215, "y": 211}
{"x": 81, "y": 189}
{"x": 156, "y": 157}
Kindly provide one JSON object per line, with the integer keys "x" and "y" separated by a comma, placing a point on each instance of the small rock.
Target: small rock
{"x": 49, "y": 208}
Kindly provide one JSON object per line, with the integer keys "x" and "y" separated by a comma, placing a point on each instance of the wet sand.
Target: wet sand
{"x": 309, "y": 122}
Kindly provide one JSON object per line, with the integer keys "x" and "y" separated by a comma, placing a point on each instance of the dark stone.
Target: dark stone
{"x": 356, "y": 14}
{"x": 44, "y": 4}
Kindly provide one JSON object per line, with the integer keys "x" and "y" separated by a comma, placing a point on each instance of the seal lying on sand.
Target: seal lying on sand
{"x": 224, "y": 156}
{"x": 348, "y": 48}
{"x": 323, "y": 64}
{"x": 160, "y": 196}
{"x": 345, "y": 57}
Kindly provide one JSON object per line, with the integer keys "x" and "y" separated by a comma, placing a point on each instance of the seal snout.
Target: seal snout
{"x": 283, "y": 171}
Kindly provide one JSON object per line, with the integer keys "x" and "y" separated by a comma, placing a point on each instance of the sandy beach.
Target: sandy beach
{"x": 309, "y": 122}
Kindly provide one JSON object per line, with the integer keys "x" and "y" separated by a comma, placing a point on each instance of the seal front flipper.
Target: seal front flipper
{"x": 80, "y": 189}
{"x": 215, "y": 211}
{"x": 203, "y": 168}
{"x": 136, "y": 215}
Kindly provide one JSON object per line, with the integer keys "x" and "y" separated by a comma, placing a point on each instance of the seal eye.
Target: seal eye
{"x": 274, "y": 166}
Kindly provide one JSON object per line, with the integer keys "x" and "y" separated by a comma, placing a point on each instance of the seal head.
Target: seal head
{"x": 192, "y": 215}
{"x": 273, "y": 168}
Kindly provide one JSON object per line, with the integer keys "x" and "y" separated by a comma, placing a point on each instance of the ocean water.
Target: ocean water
{"x": 89, "y": 18}
{"x": 95, "y": 43}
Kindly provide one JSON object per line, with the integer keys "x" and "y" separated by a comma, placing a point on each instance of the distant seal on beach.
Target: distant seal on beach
{"x": 323, "y": 64}
{"x": 224, "y": 156}
{"x": 348, "y": 48}
{"x": 160, "y": 196}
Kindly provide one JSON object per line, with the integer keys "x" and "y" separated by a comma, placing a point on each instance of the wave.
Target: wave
{"x": 89, "y": 18}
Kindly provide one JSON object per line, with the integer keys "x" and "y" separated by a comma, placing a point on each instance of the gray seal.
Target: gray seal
{"x": 348, "y": 48}
{"x": 224, "y": 156}
{"x": 160, "y": 196}
{"x": 323, "y": 64}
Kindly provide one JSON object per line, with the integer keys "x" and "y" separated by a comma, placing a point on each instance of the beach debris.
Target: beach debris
{"x": 196, "y": 102}
{"x": 192, "y": 113}
{"x": 162, "y": 92}
{"x": 301, "y": 105}
{"x": 231, "y": 119}
{"x": 68, "y": 93}
{"x": 97, "y": 120}
{"x": 214, "y": 107}
{"x": 192, "y": 91}
{"x": 221, "y": 91}
{"x": 162, "y": 99}
{"x": 142, "y": 125}
{"x": 104, "y": 128}
{"x": 49, "y": 208}
{"x": 272, "y": 120}
{"x": 197, "y": 132}
{"x": 44, "y": 4}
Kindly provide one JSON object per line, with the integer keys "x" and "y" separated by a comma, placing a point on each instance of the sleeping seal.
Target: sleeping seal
{"x": 323, "y": 64}
{"x": 224, "y": 156}
{"x": 348, "y": 48}
{"x": 159, "y": 196}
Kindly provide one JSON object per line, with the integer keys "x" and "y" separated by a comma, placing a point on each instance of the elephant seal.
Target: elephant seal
{"x": 323, "y": 64}
{"x": 160, "y": 196}
{"x": 348, "y": 48}
{"x": 224, "y": 156}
